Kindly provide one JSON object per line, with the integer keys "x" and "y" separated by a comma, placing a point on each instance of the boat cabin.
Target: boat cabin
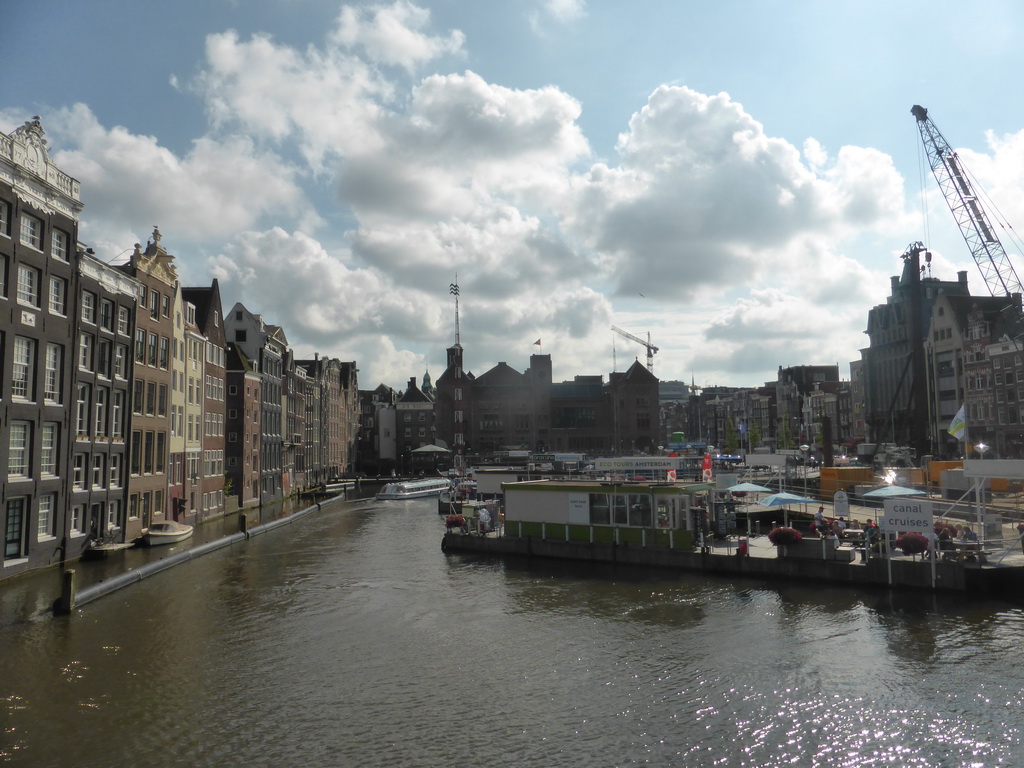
{"x": 603, "y": 511}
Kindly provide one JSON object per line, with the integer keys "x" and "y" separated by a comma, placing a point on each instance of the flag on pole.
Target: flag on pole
{"x": 536, "y": 343}
{"x": 958, "y": 426}
{"x": 670, "y": 475}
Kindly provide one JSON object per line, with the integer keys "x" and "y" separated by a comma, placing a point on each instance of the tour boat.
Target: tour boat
{"x": 413, "y": 489}
{"x": 169, "y": 532}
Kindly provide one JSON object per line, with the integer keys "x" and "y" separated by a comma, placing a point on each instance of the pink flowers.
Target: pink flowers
{"x": 781, "y": 537}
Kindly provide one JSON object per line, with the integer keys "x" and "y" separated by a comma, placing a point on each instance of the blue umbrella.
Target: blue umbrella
{"x": 783, "y": 499}
{"x": 748, "y": 488}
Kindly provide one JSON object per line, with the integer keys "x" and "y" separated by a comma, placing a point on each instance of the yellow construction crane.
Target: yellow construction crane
{"x": 651, "y": 349}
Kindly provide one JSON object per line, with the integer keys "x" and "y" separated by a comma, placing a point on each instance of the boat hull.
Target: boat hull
{"x": 164, "y": 533}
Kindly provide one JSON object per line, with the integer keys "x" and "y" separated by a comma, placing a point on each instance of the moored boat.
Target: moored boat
{"x": 413, "y": 489}
{"x": 169, "y": 532}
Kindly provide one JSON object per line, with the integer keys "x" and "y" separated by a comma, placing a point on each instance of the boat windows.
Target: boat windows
{"x": 620, "y": 513}
{"x": 639, "y": 510}
{"x": 600, "y": 512}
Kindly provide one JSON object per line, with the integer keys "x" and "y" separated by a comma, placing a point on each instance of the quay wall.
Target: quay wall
{"x": 949, "y": 577}
{"x": 71, "y": 597}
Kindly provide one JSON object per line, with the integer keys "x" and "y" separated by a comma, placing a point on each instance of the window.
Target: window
{"x": 103, "y": 358}
{"x": 115, "y": 470}
{"x": 85, "y": 342}
{"x": 5, "y": 218}
{"x": 161, "y": 400}
{"x": 23, "y": 369}
{"x": 88, "y": 307}
{"x": 3, "y": 272}
{"x": 164, "y": 351}
{"x": 121, "y": 361}
{"x": 17, "y": 457}
{"x": 240, "y": 335}
{"x": 44, "y": 521}
{"x": 147, "y": 454}
{"x": 138, "y": 399}
{"x": 140, "y": 346}
{"x": 136, "y": 467}
{"x": 123, "y": 321}
{"x": 117, "y": 415}
{"x": 51, "y": 376}
{"x": 107, "y": 315}
{"x": 31, "y": 231}
{"x": 151, "y": 358}
{"x": 48, "y": 449}
{"x": 28, "y": 285}
{"x": 77, "y": 514}
{"x": 58, "y": 296}
{"x": 154, "y": 305}
{"x": 150, "y": 398}
{"x": 59, "y": 245}
{"x": 101, "y": 412}
{"x": 161, "y": 457}
{"x": 166, "y": 306}
{"x": 82, "y": 411}
{"x": 113, "y": 514}
{"x": 17, "y": 510}
{"x": 98, "y": 467}
{"x": 78, "y": 472}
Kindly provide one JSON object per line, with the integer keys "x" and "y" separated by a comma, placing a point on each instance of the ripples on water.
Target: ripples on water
{"x": 349, "y": 639}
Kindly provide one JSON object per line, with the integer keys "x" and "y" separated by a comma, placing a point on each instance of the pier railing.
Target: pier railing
{"x": 670, "y": 538}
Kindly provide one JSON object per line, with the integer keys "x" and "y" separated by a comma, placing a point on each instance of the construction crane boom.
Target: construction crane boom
{"x": 996, "y": 269}
{"x": 651, "y": 349}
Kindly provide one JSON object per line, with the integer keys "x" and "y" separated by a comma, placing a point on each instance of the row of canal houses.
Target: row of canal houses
{"x": 127, "y": 398}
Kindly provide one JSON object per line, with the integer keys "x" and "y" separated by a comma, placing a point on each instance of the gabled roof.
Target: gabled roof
{"x": 500, "y": 375}
{"x": 237, "y": 360}
{"x": 638, "y": 372}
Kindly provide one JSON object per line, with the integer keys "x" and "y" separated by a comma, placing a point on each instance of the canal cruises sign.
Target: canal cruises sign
{"x": 907, "y": 515}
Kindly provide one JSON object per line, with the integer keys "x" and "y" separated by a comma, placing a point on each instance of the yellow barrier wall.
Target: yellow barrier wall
{"x": 844, "y": 478}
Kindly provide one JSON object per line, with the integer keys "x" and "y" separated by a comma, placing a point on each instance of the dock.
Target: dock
{"x": 1002, "y": 575}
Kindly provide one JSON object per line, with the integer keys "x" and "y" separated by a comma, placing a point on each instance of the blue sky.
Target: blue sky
{"x": 737, "y": 179}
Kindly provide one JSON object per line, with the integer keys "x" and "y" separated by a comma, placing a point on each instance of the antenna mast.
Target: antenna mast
{"x": 453, "y": 289}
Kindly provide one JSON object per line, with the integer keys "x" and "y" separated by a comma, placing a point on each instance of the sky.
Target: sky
{"x": 735, "y": 181}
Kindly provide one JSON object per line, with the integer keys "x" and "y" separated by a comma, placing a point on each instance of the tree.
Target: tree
{"x": 731, "y": 439}
{"x": 753, "y": 434}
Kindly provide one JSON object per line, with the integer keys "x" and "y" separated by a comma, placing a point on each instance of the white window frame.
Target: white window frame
{"x": 59, "y": 244}
{"x": 45, "y": 517}
{"x": 48, "y": 449}
{"x": 28, "y": 285}
{"x": 58, "y": 297}
{"x": 31, "y": 232}
{"x": 19, "y": 449}
{"x": 89, "y": 307}
{"x": 52, "y": 374}
{"x": 23, "y": 368}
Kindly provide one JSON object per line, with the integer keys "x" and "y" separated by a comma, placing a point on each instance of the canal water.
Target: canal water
{"x": 349, "y": 639}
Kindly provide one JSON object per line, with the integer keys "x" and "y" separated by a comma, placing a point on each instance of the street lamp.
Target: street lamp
{"x": 982, "y": 449}
{"x": 806, "y": 450}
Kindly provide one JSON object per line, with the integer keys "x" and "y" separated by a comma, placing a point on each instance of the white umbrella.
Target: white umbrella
{"x": 892, "y": 490}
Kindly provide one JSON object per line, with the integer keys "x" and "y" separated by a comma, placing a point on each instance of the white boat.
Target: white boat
{"x": 413, "y": 489}
{"x": 169, "y": 532}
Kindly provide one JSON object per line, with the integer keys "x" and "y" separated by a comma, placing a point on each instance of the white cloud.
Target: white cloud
{"x": 393, "y": 35}
{"x": 703, "y": 201}
{"x": 566, "y": 10}
{"x": 217, "y": 189}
